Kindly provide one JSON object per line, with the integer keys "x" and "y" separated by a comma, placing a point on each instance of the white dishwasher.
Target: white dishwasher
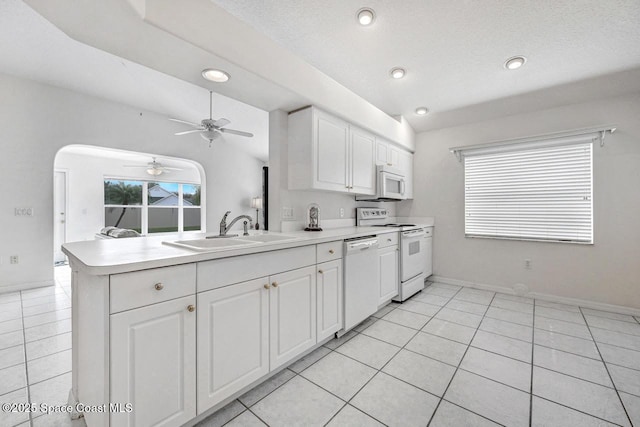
{"x": 361, "y": 270}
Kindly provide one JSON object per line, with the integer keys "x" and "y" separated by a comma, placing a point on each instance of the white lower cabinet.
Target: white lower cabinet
{"x": 389, "y": 273}
{"x": 329, "y": 299}
{"x": 153, "y": 364}
{"x": 292, "y": 314}
{"x": 176, "y": 359}
{"x": 233, "y": 340}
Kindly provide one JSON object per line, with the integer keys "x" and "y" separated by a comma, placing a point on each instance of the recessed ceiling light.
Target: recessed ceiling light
{"x": 397, "y": 73}
{"x": 515, "y": 62}
{"x": 366, "y": 16}
{"x": 214, "y": 75}
{"x": 421, "y": 111}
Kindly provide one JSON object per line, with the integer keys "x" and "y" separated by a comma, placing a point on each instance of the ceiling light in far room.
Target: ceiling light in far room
{"x": 397, "y": 73}
{"x": 515, "y": 62}
{"x": 421, "y": 111}
{"x": 366, "y": 16}
{"x": 214, "y": 75}
{"x": 154, "y": 171}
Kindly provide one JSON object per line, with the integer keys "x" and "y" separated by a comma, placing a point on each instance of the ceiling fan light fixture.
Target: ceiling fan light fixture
{"x": 515, "y": 62}
{"x": 210, "y": 135}
{"x": 215, "y": 75}
{"x": 365, "y": 16}
{"x": 154, "y": 171}
{"x": 397, "y": 72}
{"x": 421, "y": 111}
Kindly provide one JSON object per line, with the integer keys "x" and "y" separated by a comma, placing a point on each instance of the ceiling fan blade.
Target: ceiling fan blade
{"x": 221, "y": 122}
{"x": 170, "y": 169}
{"x": 236, "y": 132}
{"x": 135, "y": 166}
{"x": 189, "y": 131}
{"x": 198, "y": 125}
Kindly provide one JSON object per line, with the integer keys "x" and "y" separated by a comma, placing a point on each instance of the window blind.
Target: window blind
{"x": 534, "y": 191}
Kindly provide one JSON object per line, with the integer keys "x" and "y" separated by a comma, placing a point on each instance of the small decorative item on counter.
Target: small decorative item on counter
{"x": 313, "y": 218}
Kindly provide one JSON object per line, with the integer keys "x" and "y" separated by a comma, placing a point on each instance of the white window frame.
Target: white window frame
{"x": 489, "y": 153}
{"x": 144, "y": 207}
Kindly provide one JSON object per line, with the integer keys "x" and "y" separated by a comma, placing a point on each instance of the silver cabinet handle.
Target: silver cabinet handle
{"x": 320, "y": 271}
{"x": 331, "y": 251}
{"x": 191, "y": 308}
{"x": 267, "y": 286}
{"x": 274, "y": 284}
{"x": 158, "y": 286}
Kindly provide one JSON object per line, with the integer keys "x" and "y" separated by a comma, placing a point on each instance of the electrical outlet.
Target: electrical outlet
{"x": 527, "y": 264}
{"x": 341, "y": 212}
{"x": 287, "y": 213}
{"x": 13, "y": 259}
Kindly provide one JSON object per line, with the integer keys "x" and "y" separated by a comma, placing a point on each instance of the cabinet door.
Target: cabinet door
{"x": 233, "y": 340}
{"x": 329, "y": 295}
{"x": 363, "y": 162}
{"x": 331, "y": 141}
{"x": 406, "y": 165}
{"x": 153, "y": 364}
{"x": 393, "y": 157}
{"x": 389, "y": 273}
{"x": 292, "y": 302}
{"x": 381, "y": 153}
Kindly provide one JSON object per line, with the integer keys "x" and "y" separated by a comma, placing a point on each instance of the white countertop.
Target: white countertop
{"x": 111, "y": 256}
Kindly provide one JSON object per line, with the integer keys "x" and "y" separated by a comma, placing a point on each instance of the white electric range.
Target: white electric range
{"x": 415, "y": 249}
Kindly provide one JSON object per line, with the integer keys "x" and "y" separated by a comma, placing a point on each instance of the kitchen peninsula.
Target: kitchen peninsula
{"x": 149, "y": 318}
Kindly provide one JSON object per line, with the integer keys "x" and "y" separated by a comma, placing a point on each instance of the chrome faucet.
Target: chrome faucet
{"x": 224, "y": 228}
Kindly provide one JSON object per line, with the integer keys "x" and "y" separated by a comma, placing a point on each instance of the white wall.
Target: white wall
{"x": 85, "y": 188}
{"x": 37, "y": 120}
{"x": 606, "y": 272}
{"x": 279, "y": 195}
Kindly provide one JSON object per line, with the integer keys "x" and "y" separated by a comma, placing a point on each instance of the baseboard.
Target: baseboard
{"x": 25, "y": 286}
{"x": 538, "y": 295}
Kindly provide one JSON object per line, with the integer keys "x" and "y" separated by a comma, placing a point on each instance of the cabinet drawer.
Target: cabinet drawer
{"x": 139, "y": 288}
{"x": 329, "y": 251}
{"x": 227, "y": 271}
{"x": 387, "y": 239}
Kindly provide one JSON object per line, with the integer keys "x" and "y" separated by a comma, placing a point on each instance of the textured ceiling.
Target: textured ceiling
{"x": 453, "y": 50}
{"x": 33, "y": 48}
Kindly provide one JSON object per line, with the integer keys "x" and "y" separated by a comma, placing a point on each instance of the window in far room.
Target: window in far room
{"x": 152, "y": 207}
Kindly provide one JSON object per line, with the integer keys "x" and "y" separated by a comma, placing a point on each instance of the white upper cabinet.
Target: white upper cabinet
{"x": 387, "y": 154}
{"x": 362, "y": 160}
{"x": 327, "y": 153}
{"x": 332, "y": 153}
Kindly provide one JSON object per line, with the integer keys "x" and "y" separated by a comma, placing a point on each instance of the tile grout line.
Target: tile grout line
{"x": 607, "y": 369}
{"x": 26, "y": 364}
{"x": 533, "y": 346}
{"x": 460, "y": 363}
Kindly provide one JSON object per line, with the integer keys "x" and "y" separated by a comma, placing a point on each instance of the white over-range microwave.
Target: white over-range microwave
{"x": 390, "y": 185}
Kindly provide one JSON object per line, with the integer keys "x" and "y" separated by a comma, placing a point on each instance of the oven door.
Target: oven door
{"x": 412, "y": 254}
{"x": 391, "y": 186}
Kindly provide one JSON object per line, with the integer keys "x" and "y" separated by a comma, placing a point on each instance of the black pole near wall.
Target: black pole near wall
{"x": 265, "y": 196}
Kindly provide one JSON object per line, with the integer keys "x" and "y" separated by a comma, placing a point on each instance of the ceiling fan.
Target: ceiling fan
{"x": 154, "y": 168}
{"x": 211, "y": 129}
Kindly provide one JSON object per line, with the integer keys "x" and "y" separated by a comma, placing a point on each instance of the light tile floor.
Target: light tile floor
{"x": 450, "y": 356}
